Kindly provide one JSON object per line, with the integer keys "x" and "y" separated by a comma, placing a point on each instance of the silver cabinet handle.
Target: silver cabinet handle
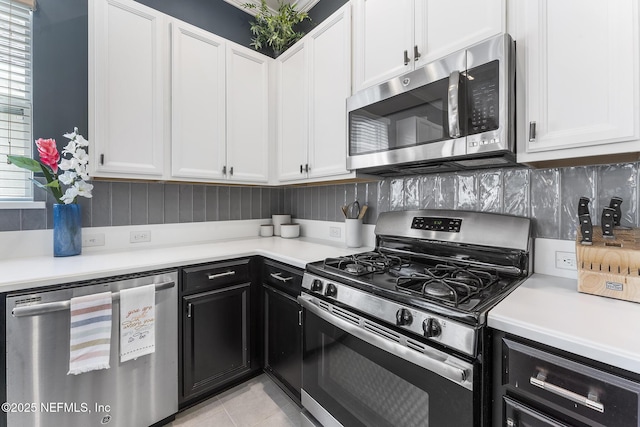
{"x": 226, "y": 273}
{"x": 224, "y": 170}
{"x": 189, "y": 310}
{"x": 50, "y": 307}
{"x": 299, "y": 317}
{"x": 278, "y": 276}
{"x": 532, "y": 131}
{"x": 454, "y": 118}
{"x": 406, "y": 58}
{"x": 416, "y": 54}
{"x": 231, "y": 171}
{"x": 306, "y": 167}
{"x": 540, "y": 382}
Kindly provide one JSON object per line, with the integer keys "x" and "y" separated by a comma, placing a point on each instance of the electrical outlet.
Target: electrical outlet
{"x": 140, "y": 236}
{"x": 93, "y": 240}
{"x": 566, "y": 260}
{"x": 334, "y": 232}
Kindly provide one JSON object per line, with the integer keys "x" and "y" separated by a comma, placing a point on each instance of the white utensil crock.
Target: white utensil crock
{"x": 278, "y": 220}
{"x": 353, "y": 232}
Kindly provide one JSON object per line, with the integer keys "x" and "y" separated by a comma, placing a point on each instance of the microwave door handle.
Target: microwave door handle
{"x": 454, "y": 115}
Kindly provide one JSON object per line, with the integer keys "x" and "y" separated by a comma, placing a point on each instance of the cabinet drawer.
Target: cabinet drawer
{"x": 213, "y": 276}
{"x": 581, "y": 392}
{"x": 283, "y": 277}
{"x": 519, "y": 415}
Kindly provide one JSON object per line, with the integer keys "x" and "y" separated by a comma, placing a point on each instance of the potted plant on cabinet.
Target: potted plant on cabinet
{"x": 275, "y": 30}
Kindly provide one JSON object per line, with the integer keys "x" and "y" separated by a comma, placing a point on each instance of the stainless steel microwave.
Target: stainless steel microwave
{"x": 454, "y": 113}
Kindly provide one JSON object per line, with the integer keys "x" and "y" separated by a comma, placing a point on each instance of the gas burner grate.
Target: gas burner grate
{"x": 364, "y": 263}
{"x": 451, "y": 284}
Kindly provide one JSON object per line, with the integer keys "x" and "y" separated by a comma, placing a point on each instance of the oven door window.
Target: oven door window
{"x": 362, "y": 385}
{"x": 417, "y": 117}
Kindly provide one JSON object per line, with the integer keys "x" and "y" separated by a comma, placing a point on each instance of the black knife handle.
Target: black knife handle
{"x": 586, "y": 229}
{"x": 583, "y": 206}
{"x": 615, "y": 204}
{"x": 607, "y": 223}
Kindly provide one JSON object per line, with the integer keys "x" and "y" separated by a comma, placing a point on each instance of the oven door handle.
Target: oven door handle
{"x": 431, "y": 359}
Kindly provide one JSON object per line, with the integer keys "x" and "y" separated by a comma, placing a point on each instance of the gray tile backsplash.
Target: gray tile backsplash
{"x": 136, "y": 203}
{"x": 549, "y": 196}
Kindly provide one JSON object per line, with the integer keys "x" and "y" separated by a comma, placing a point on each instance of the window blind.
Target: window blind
{"x": 15, "y": 98}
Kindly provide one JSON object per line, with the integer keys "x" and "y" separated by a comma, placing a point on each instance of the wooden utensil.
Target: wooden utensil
{"x": 344, "y": 211}
{"x": 363, "y": 210}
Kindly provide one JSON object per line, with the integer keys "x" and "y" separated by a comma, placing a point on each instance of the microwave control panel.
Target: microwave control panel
{"x": 449, "y": 225}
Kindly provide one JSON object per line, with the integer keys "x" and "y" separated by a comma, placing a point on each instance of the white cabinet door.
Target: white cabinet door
{"x": 127, "y": 70}
{"x": 197, "y": 103}
{"x": 579, "y": 59}
{"x": 247, "y": 114}
{"x": 329, "y": 87}
{"x": 383, "y": 31}
{"x": 443, "y": 27}
{"x": 293, "y": 113}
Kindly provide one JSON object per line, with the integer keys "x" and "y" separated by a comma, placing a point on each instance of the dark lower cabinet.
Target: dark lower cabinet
{"x": 282, "y": 327}
{"x": 539, "y": 386}
{"x": 220, "y": 320}
{"x": 216, "y": 334}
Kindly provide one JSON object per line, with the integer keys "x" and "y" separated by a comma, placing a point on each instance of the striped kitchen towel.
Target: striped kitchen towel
{"x": 90, "y": 343}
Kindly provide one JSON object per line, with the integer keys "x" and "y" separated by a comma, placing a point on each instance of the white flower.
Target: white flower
{"x": 72, "y": 135}
{"x": 81, "y": 170}
{"x": 70, "y": 147}
{"x": 68, "y": 177}
{"x": 82, "y": 156}
{"x": 84, "y": 189}
{"x": 68, "y": 164}
{"x": 81, "y": 141}
{"x": 70, "y": 195}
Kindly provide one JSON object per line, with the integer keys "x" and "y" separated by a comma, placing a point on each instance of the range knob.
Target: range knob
{"x": 331, "y": 290}
{"x": 316, "y": 285}
{"x": 403, "y": 317}
{"x": 431, "y": 328}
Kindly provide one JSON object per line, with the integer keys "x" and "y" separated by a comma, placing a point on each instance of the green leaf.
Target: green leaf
{"x": 25, "y": 163}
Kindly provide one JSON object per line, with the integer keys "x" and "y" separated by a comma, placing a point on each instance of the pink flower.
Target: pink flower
{"x": 48, "y": 153}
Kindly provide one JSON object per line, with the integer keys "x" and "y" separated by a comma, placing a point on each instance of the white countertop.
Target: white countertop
{"x": 551, "y": 311}
{"x": 34, "y": 272}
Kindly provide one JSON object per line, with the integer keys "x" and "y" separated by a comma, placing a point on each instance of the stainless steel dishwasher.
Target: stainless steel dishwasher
{"x": 135, "y": 393}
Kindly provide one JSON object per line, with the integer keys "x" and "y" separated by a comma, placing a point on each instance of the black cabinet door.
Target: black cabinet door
{"x": 283, "y": 353}
{"x": 215, "y": 338}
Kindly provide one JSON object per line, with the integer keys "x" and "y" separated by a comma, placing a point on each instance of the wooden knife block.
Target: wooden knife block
{"x": 610, "y": 267}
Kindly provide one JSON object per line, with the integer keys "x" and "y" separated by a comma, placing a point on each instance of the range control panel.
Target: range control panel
{"x": 450, "y": 225}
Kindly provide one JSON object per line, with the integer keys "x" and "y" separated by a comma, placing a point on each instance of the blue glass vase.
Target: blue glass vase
{"x": 67, "y": 230}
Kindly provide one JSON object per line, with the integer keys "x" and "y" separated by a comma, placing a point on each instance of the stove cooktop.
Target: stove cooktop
{"x": 455, "y": 288}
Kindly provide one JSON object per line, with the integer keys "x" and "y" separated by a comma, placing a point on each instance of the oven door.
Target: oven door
{"x": 359, "y": 373}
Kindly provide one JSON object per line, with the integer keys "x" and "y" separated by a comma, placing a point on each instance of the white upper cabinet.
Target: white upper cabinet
{"x": 578, "y": 76}
{"x": 198, "y": 108}
{"x": 247, "y": 115}
{"x": 127, "y": 75}
{"x": 314, "y": 83}
{"x": 329, "y": 88}
{"x": 394, "y": 37}
{"x": 384, "y": 40}
{"x": 293, "y": 113}
{"x": 443, "y": 27}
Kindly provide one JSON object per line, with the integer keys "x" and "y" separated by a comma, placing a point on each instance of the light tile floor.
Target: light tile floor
{"x": 258, "y": 402}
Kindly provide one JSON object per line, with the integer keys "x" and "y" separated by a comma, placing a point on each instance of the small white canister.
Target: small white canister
{"x": 290, "y": 231}
{"x": 266, "y": 230}
{"x": 278, "y": 220}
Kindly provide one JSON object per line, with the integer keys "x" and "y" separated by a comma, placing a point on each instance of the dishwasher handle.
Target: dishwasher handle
{"x": 50, "y": 307}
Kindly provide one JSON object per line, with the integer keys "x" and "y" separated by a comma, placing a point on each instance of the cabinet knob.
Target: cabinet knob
{"x": 301, "y": 168}
{"x": 306, "y": 167}
{"x": 231, "y": 171}
{"x": 406, "y": 58}
{"x": 224, "y": 170}
{"x": 102, "y": 159}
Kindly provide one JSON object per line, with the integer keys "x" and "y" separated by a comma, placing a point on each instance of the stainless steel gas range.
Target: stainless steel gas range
{"x": 397, "y": 336}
